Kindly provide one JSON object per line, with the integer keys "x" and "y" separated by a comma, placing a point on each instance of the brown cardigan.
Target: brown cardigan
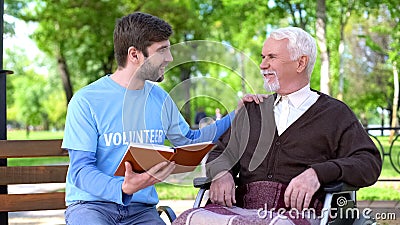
{"x": 327, "y": 137}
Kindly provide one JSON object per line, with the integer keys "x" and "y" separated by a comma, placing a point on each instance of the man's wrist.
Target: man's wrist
{"x": 221, "y": 174}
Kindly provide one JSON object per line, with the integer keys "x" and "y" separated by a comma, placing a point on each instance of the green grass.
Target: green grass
{"x": 34, "y": 135}
{"x": 387, "y": 169}
{"x": 180, "y": 187}
{"x": 175, "y": 192}
{"x": 38, "y": 161}
{"x": 378, "y": 193}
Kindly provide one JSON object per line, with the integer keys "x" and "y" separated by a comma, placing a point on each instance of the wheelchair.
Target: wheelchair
{"x": 336, "y": 195}
{"x": 168, "y": 211}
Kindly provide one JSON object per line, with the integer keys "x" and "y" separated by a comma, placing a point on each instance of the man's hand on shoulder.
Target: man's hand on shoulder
{"x": 134, "y": 182}
{"x": 301, "y": 189}
{"x": 257, "y": 98}
{"x": 222, "y": 190}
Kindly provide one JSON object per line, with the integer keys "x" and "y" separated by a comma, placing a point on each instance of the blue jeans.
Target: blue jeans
{"x": 99, "y": 213}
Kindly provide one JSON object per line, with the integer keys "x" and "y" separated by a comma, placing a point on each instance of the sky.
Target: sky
{"x": 22, "y": 40}
{"x": 21, "y": 37}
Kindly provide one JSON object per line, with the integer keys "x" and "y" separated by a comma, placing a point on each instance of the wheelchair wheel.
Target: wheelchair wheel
{"x": 364, "y": 221}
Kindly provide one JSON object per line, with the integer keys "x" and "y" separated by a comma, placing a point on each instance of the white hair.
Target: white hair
{"x": 300, "y": 43}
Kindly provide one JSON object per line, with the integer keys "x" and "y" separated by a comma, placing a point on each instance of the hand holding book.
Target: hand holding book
{"x": 134, "y": 182}
{"x": 144, "y": 156}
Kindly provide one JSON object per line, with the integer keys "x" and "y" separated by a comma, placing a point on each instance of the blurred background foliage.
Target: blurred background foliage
{"x": 75, "y": 38}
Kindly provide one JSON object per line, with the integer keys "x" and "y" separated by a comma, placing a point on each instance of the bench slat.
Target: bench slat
{"x": 31, "y": 148}
{"x": 31, "y": 202}
{"x": 33, "y": 174}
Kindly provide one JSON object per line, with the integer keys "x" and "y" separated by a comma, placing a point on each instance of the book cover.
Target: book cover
{"x": 144, "y": 156}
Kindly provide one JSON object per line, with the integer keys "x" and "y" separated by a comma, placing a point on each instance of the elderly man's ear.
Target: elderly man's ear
{"x": 302, "y": 63}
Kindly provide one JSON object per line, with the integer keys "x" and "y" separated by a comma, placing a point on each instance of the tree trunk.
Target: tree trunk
{"x": 395, "y": 100}
{"x": 46, "y": 125}
{"x": 321, "y": 40}
{"x": 65, "y": 77}
{"x": 345, "y": 15}
{"x": 341, "y": 70}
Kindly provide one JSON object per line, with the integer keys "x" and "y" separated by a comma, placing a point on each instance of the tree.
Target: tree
{"x": 31, "y": 92}
{"x": 368, "y": 68}
{"x": 345, "y": 12}
{"x": 76, "y": 34}
{"x": 322, "y": 43}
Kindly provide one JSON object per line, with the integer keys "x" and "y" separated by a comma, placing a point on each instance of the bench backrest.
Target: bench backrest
{"x": 32, "y": 175}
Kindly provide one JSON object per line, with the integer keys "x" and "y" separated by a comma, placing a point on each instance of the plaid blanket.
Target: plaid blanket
{"x": 259, "y": 202}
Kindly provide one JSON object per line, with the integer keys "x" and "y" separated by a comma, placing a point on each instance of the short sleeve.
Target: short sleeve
{"x": 80, "y": 128}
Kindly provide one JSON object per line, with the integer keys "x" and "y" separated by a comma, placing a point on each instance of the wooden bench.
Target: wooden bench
{"x": 31, "y": 175}
{"x": 37, "y": 175}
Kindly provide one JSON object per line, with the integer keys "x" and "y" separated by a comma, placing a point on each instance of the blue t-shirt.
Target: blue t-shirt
{"x": 102, "y": 119}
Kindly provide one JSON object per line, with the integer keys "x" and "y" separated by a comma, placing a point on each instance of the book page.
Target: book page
{"x": 153, "y": 146}
{"x": 195, "y": 144}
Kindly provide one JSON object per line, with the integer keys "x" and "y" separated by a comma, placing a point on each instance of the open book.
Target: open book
{"x": 144, "y": 156}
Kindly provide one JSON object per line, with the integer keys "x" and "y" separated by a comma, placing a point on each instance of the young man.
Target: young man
{"x": 119, "y": 108}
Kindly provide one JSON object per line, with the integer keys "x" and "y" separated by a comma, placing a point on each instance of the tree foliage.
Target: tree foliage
{"x": 77, "y": 38}
{"x": 369, "y": 75}
{"x": 32, "y": 98}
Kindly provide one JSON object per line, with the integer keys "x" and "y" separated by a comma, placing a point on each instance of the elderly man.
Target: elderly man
{"x": 297, "y": 140}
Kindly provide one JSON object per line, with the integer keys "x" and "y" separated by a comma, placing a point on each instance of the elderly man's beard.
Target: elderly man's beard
{"x": 271, "y": 86}
{"x": 150, "y": 72}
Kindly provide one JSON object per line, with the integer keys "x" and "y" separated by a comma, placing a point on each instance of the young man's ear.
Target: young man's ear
{"x": 302, "y": 63}
{"x": 133, "y": 54}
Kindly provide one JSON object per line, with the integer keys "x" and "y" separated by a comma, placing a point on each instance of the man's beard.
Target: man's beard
{"x": 150, "y": 72}
{"x": 271, "y": 86}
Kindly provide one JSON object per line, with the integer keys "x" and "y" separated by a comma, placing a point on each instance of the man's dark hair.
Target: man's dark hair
{"x": 139, "y": 30}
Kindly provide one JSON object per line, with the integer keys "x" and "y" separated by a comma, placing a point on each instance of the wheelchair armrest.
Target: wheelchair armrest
{"x": 339, "y": 187}
{"x": 167, "y": 210}
{"x": 202, "y": 183}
